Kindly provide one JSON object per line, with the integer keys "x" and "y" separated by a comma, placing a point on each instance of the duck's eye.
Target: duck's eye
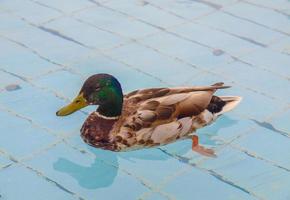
{"x": 78, "y": 101}
{"x": 97, "y": 89}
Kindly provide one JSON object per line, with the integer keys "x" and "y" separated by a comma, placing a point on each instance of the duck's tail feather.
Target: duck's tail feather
{"x": 230, "y": 103}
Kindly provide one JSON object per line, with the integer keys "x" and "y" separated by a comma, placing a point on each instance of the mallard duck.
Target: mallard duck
{"x": 146, "y": 117}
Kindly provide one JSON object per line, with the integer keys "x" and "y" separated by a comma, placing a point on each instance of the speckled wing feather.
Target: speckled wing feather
{"x": 160, "y": 115}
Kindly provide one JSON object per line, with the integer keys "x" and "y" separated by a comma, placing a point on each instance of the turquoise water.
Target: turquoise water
{"x": 48, "y": 48}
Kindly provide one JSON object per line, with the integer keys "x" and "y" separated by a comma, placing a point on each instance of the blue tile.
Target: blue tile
{"x": 240, "y": 28}
{"x": 190, "y": 52}
{"x": 21, "y": 137}
{"x": 281, "y": 121}
{"x": 261, "y": 15}
{"x": 58, "y": 81}
{"x": 186, "y": 9}
{"x": 281, "y": 6}
{"x": 196, "y": 184}
{"x": 4, "y": 161}
{"x": 58, "y": 49}
{"x": 100, "y": 64}
{"x": 116, "y": 22}
{"x": 156, "y": 196}
{"x": 271, "y": 60}
{"x": 40, "y": 107}
{"x": 29, "y": 185}
{"x": 140, "y": 11}
{"x": 274, "y": 152}
{"x": 204, "y": 35}
{"x": 264, "y": 180}
{"x": 67, "y": 6}
{"x": 92, "y": 37}
{"x": 30, "y": 10}
{"x": 7, "y": 79}
{"x": 149, "y": 164}
{"x": 28, "y": 64}
{"x": 10, "y": 25}
{"x": 282, "y": 46}
{"x": 255, "y": 78}
{"x": 154, "y": 63}
{"x": 87, "y": 175}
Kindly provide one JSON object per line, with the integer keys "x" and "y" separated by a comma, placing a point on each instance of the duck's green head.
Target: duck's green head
{"x": 100, "y": 89}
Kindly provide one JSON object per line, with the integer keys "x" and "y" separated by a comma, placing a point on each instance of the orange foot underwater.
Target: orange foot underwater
{"x": 200, "y": 149}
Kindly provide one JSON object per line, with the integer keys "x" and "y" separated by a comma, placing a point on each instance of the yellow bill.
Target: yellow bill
{"x": 78, "y": 103}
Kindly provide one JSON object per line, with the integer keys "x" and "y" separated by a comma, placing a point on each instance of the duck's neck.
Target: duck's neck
{"x": 110, "y": 110}
{"x": 113, "y": 105}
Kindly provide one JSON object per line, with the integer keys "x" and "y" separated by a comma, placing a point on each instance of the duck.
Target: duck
{"x": 147, "y": 118}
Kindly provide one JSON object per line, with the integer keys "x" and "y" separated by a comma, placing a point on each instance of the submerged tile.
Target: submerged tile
{"x": 200, "y": 56}
{"x": 263, "y": 179}
{"x": 130, "y": 78}
{"x": 261, "y": 15}
{"x": 40, "y": 107}
{"x": 20, "y": 137}
{"x": 274, "y": 152}
{"x": 29, "y": 185}
{"x": 157, "y": 17}
{"x": 87, "y": 175}
{"x": 116, "y": 22}
{"x": 30, "y": 10}
{"x": 154, "y": 63}
{"x": 92, "y": 37}
{"x": 196, "y": 184}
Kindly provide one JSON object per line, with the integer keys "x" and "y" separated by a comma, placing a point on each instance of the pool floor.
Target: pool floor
{"x": 48, "y": 48}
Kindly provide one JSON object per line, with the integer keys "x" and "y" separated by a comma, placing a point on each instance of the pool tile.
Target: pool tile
{"x": 156, "y": 196}
{"x": 67, "y": 6}
{"x": 190, "y": 52}
{"x": 256, "y": 78}
{"x": 92, "y": 37}
{"x": 4, "y": 161}
{"x": 186, "y": 9}
{"x": 281, "y": 121}
{"x": 21, "y": 137}
{"x": 88, "y": 176}
{"x": 28, "y": 64}
{"x": 271, "y": 60}
{"x": 59, "y": 49}
{"x": 280, "y": 5}
{"x": 240, "y": 28}
{"x": 264, "y": 180}
{"x": 54, "y": 81}
{"x": 7, "y": 79}
{"x": 282, "y": 46}
{"x": 40, "y": 106}
{"x": 30, "y": 10}
{"x": 154, "y": 63}
{"x": 274, "y": 152}
{"x": 204, "y": 35}
{"x": 140, "y": 11}
{"x": 116, "y": 22}
{"x": 29, "y": 184}
{"x": 101, "y": 64}
{"x": 260, "y": 15}
{"x": 149, "y": 164}
{"x": 196, "y": 184}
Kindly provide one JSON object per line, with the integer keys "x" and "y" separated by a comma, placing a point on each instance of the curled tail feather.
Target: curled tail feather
{"x": 230, "y": 103}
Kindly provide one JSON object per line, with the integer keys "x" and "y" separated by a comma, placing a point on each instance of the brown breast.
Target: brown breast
{"x": 96, "y": 131}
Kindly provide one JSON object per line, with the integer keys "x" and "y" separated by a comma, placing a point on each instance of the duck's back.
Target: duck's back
{"x": 162, "y": 115}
